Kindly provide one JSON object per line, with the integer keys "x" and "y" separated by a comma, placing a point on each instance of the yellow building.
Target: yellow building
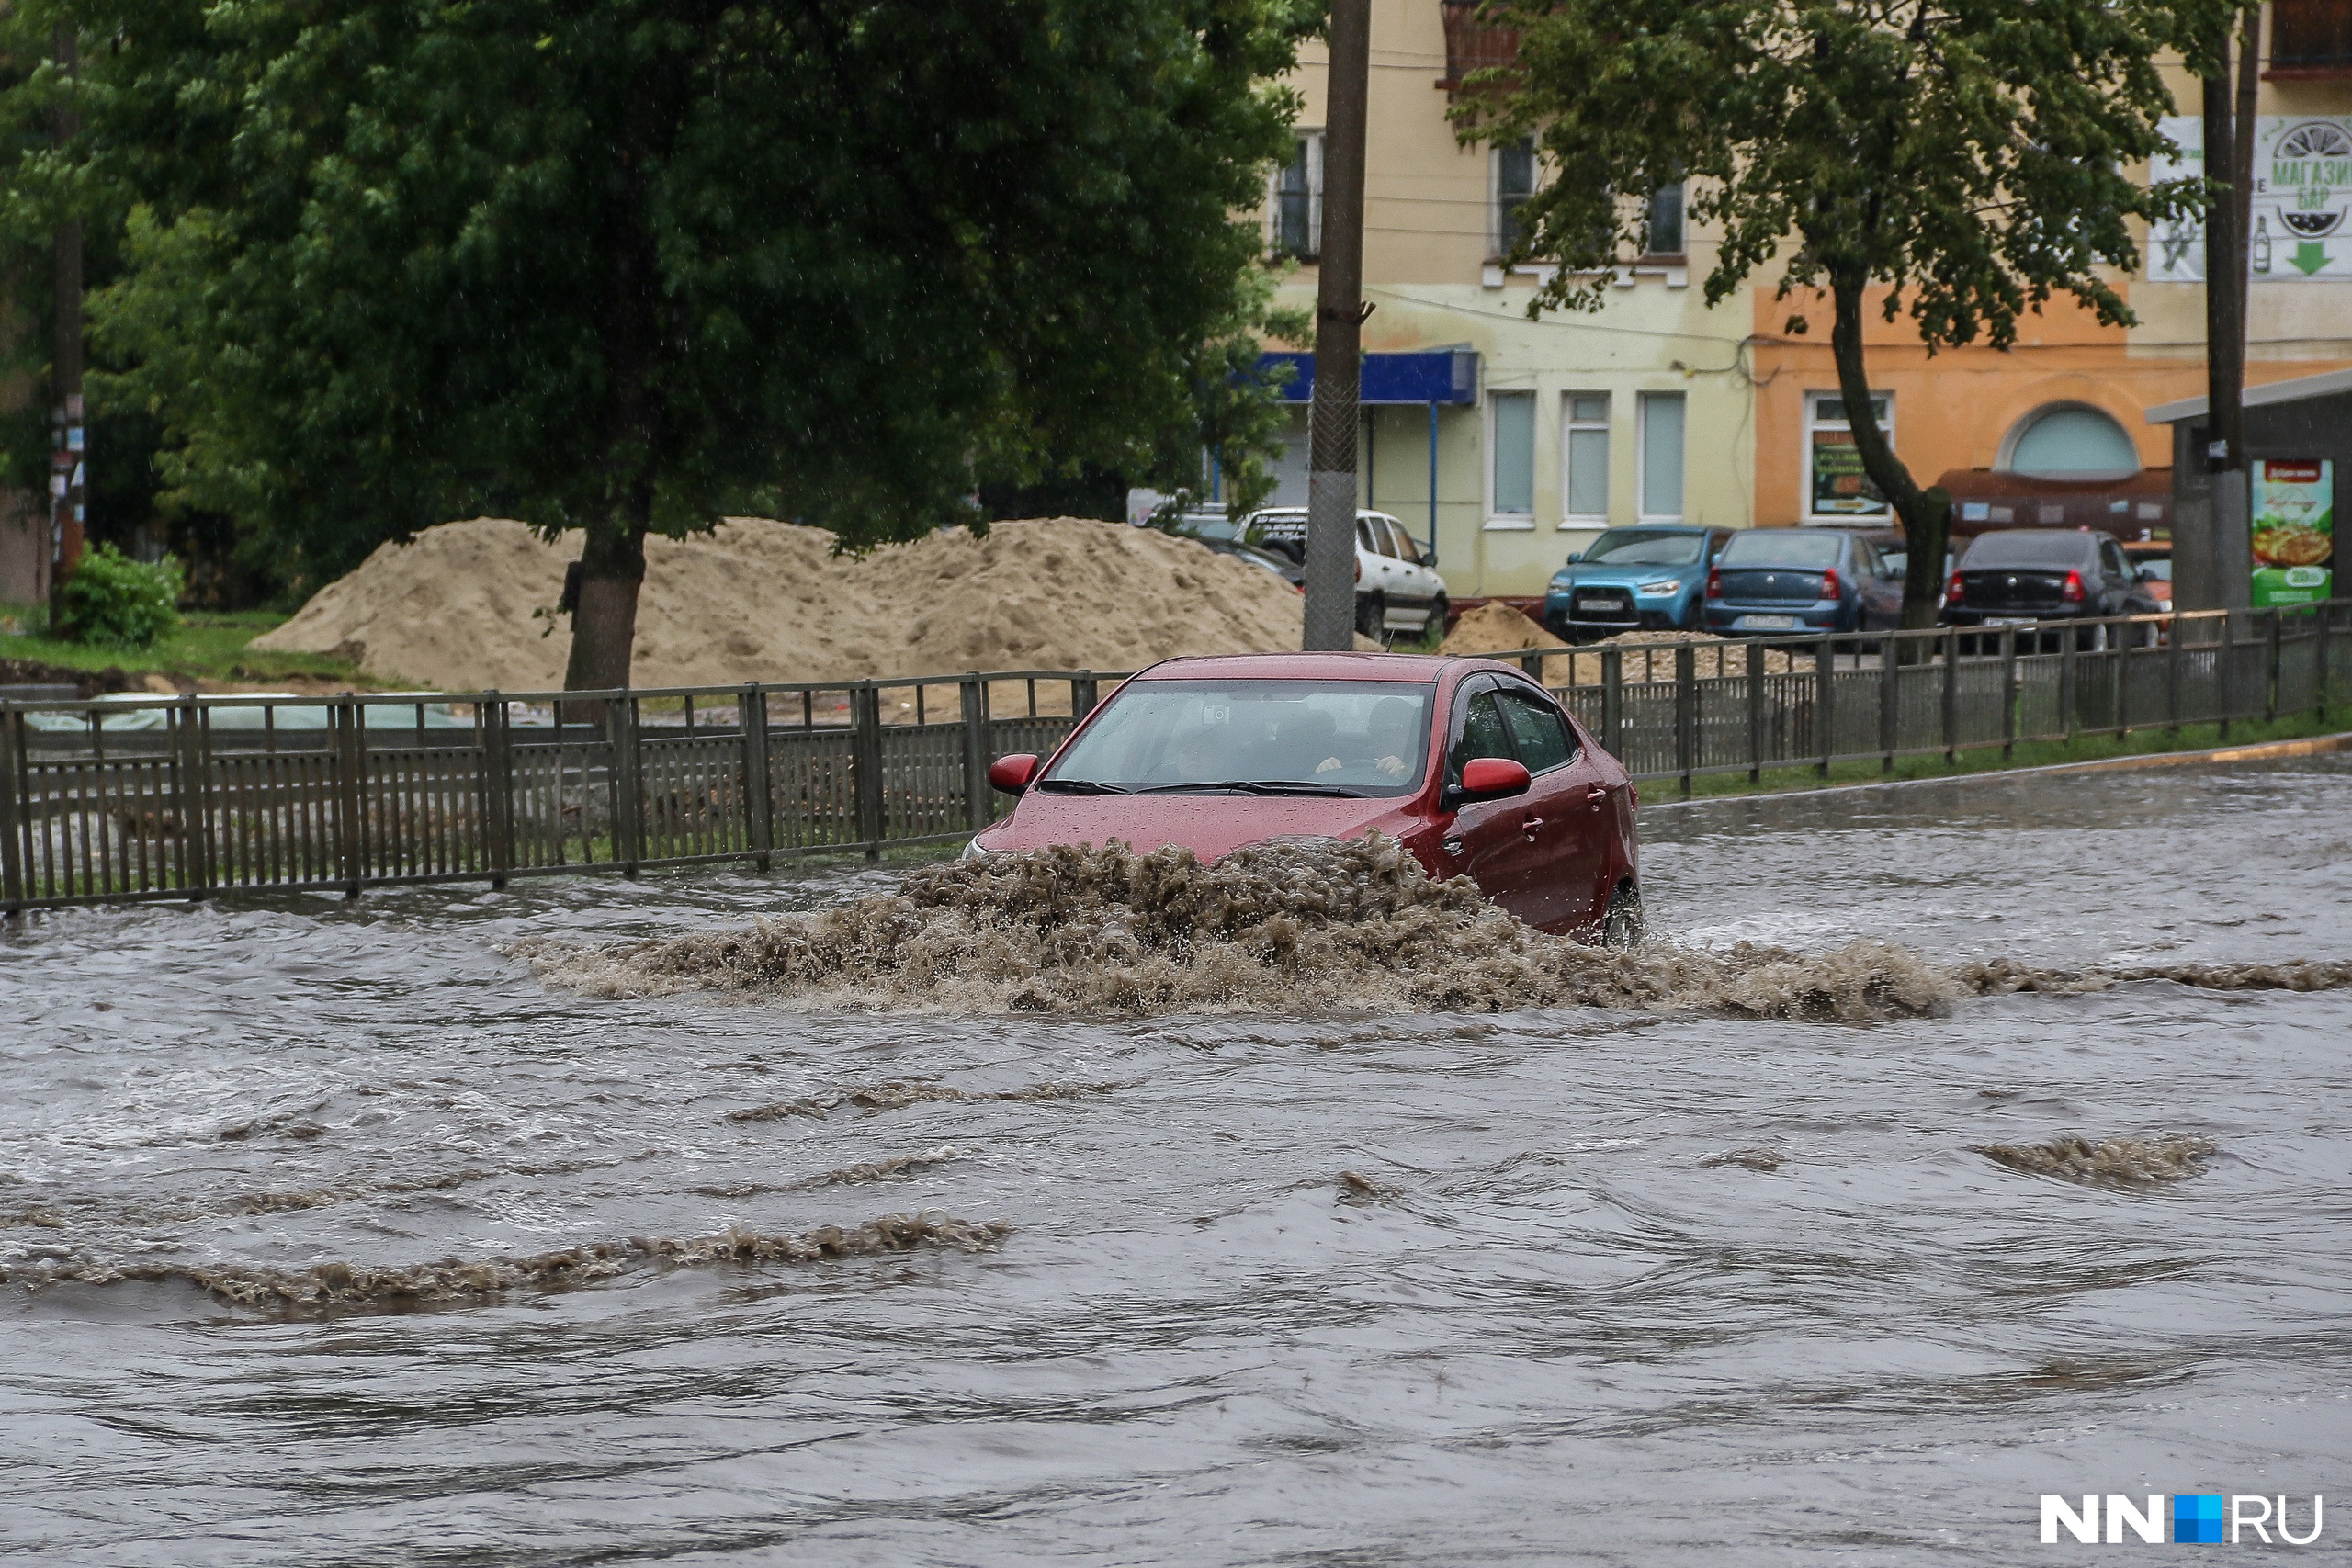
{"x": 1577, "y": 422}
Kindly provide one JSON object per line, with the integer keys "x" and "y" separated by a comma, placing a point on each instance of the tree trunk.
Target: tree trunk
{"x": 1925, "y": 514}
{"x": 604, "y": 627}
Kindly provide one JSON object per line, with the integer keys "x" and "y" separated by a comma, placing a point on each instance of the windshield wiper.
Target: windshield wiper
{"x": 1079, "y": 786}
{"x": 1258, "y": 787}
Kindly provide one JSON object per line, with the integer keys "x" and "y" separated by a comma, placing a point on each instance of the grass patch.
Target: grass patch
{"x": 205, "y": 645}
{"x": 2156, "y": 740}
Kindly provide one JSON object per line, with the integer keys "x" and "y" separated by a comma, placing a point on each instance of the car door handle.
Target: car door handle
{"x": 1531, "y": 825}
{"x": 1594, "y": 794}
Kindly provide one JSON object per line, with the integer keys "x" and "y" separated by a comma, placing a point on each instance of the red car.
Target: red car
{"x": 1466, "y": 761}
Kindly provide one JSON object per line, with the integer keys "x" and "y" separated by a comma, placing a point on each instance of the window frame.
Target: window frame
{"x": 1652, "y": 251}
{"x": 1812, "y": 424}
{"x": 1570, "y": 425}
{"x": 1309, "y": 141}
{"x": 1496, "y": 519}
{"x": 1643, "y": 402}
{"x": 1499, "y": 219}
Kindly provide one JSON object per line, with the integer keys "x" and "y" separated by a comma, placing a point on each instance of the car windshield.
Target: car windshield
{"x": 1645, "y": 546}
{"x": 1211, "y": 528}
{"x": 2052, "y": 546}
{"x": 1316, "y": 737}
{"x": 1768, "y": 548}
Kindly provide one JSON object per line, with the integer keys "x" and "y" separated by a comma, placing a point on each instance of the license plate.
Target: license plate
{"x": 1608, "y": 604}
{"x": 1769, "y": 623}
{"x": 2009, "y": 620}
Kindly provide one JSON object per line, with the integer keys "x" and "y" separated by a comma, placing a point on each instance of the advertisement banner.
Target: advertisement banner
{"x": 2302, "y": 228}
{"x": 1840, "y": 488}
{"x": 2294, "y": 529}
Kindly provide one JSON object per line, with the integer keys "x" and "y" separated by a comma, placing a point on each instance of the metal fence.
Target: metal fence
{"x": 122, "y": 799}
{"x": 1817, "y": 702}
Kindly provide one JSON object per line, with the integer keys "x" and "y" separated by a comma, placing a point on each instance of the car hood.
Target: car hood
{"x": 1211, "y": 826}
{"x": 1623, "y": 576}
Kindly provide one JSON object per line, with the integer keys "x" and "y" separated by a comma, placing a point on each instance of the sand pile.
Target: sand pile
{"x": 1286, "y": 926}
{"x": 457, "y": 608}
{"x": 1494, "y": 627}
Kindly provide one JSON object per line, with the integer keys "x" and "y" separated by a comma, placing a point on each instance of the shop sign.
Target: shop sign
{"x": 2301, "y": 227}
{"x": 2294, "y": 529}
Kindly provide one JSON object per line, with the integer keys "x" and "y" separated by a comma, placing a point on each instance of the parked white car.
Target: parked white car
{"x": 1397, "y": 587}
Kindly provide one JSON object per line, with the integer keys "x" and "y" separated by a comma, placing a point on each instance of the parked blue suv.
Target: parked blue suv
{"x": 1651, "y": 576}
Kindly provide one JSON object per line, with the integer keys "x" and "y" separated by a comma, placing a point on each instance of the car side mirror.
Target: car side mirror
{"x": 1575, "y": 556}
{"x": 2147, "y": 574}
{"x": 1012, "y": 775}
{"x": 1489, "y": 778}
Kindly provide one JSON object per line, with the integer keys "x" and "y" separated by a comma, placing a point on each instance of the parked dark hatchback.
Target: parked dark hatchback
{"x": 2016, "y": 575}
{"x": 1793, "y": 580}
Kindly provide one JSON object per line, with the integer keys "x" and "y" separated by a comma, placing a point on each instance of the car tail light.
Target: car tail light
{"x": 1958, "y": 592}
{"x": 2073, "y": 591}
{"x": 1830, "y": 587}
{"x": 1714, "y": 583}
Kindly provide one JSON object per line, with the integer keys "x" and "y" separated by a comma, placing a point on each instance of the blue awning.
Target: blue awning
{"x": 1447, "y": 377}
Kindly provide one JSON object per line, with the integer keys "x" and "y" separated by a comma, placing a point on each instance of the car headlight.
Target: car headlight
{"x": 1668, "y": 587}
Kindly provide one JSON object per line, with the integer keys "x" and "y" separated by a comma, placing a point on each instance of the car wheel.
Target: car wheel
{"x": 1372, "y": 617}
{"x": 1622, "y": 926}
{"x": 1439, "y": 609}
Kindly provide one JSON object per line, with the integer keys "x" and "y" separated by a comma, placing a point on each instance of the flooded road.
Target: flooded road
{"x": 1575, "y": 1283}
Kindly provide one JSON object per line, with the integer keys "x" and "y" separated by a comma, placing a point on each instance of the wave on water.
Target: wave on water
{"x": 2109, "y": 1162}
{"x": 1292, "y": 925}
{"x": 337, "y": 1283}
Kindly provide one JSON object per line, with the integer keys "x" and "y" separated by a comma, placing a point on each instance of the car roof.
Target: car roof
{"x": 1671, "y": 528}
{"x": 1423, "y": 667}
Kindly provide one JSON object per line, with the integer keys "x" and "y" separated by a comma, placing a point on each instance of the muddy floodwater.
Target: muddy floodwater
{"x": 335, "y": 1233}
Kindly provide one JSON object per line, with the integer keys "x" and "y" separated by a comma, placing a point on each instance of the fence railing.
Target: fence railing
{"x": 134, "y": 798}
{"x": 119, "y": 799}
{"x": 1681, "y": 711}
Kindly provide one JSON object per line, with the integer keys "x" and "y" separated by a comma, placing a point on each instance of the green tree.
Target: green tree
{"x": 1975, "y": 156}
{"x": 626, "y": 266}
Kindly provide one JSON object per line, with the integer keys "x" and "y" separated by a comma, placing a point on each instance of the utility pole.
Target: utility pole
{"x": 2229, "y": 156}
{"x": 68, "y": 470}
{"x": 1338, "y": 329}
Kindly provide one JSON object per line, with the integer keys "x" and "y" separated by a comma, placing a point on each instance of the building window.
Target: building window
{"x": 1298, "y": 218}
{"x": 1836, "y": 487}
{"x": 2070, "y": 442}
{"x": 1585, "y": 450}
{"x": 1514, "y": 183}
{"x": 1661, "y": 450}
{"x": 2311, "y": 37}
{"x": 1513, "y": 473}
{"x": 1665, "y": 234}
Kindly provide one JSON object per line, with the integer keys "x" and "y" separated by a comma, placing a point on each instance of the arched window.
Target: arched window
{"x": 2070, "y": 442}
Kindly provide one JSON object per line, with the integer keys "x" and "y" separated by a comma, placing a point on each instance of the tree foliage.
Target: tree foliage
{"x": 1977, "y": 157}
{"x": 633, "y": 264}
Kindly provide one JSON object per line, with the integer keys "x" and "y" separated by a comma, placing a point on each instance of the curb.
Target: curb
{"x": 2314, "y": 746}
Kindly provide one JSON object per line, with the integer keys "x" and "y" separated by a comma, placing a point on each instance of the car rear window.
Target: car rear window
{"x": 1645, "y": 546}
{"x": 1362, "y": 736}
{"x": 2052, "y": 546}
{"x": 1782, "y": 548}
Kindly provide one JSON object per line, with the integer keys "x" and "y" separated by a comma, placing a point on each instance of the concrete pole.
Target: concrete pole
{"x": 69, "y": 456}
{"x": 2227, "y": 223}
{"x": 1339, "y": 324}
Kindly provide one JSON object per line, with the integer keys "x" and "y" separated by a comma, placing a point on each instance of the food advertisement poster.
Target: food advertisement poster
{"x": 2294, "y": 529}
{"x": 1840, "y": 488}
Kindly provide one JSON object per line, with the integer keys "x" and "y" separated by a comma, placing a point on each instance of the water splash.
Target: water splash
{"x": 1281, "y": 927}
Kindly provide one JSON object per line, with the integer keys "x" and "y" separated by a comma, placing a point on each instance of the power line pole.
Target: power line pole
{"x": 69, "y": 456}
{"x": 2229, "y": 129}
{"x": 1339, "y": 327}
